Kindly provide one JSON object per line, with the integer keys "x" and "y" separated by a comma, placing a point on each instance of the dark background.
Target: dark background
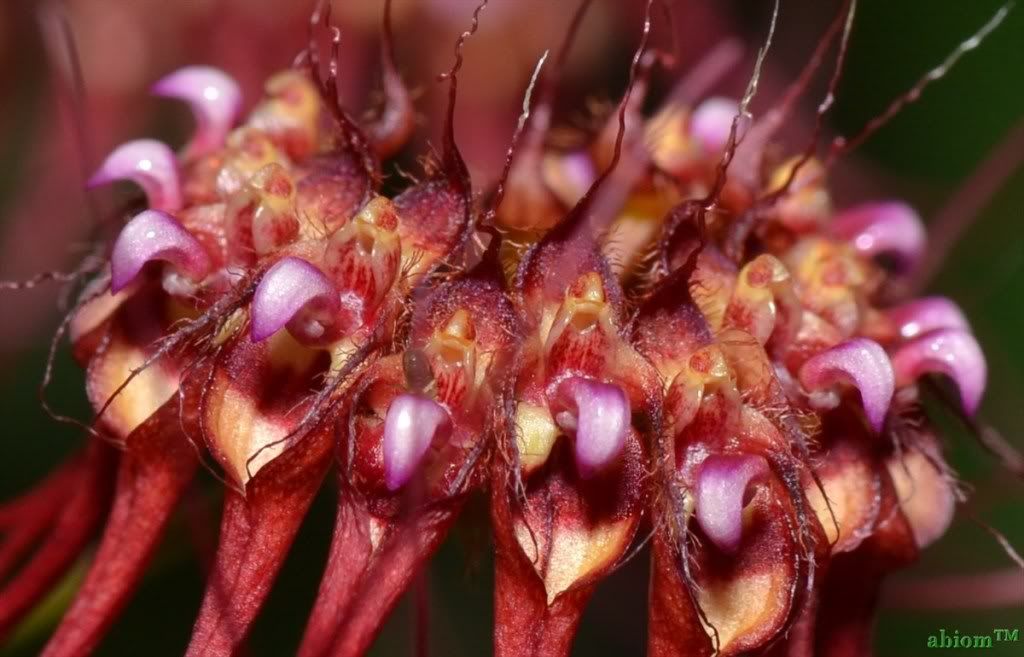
{"x": 927, "y": 155}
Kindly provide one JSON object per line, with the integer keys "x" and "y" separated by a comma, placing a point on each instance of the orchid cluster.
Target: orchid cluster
{"x": 666, "y": 333}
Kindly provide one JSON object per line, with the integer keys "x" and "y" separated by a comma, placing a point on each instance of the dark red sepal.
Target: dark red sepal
{"x": 24, "y": 519}
{"x": 363, "y": 581}
{"x": 539, "y": 599}
{"x": 350, "y": 553}
{"x": 157, "y": 466}
{"x": 849, "y": 596}
{"x": 674, "y": 625}
{"x": 525, "y": 625}
{"x": 256, "y": 532}
{"x": 83, "y": 510}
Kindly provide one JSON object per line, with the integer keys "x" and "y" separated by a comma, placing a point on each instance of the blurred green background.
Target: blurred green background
{"x": 925, "y": 155}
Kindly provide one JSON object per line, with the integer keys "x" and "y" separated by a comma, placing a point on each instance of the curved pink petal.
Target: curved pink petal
{"x": 950, "y": 351}
{"x": 712, "y": 121}
{"x": 922, "y": 315}
{"x": 602, "y": 421}
{"x": 214, "y": 97}
{"x": 721, "y": 494}
{"x": 412, "y": 425}
{"x": 579, "y": 169}
{"x": 888, "y": 227}
{"x": 148, "y": 163}
{"x": 293, "y": 292}
{"x": 862, "y": 363}
{"x": 155, "y": 235}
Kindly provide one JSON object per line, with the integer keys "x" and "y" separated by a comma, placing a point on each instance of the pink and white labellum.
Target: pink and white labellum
{"x": 215, "y": 100}
{"x": 412, "y": 425}
{"x": 296, "y": 294}
{"x": 721, "y": 492}
{"x": 922, "y": 315}
{"x": 154, "y": 235}
{"x": 148, "y": 163}
{"x": 599, "y": 420}
{"x": 711, "y": 122}
{"x": 862, "y": 363}
{"x": 884, "y": 228}
{"x": 950, "y": 351}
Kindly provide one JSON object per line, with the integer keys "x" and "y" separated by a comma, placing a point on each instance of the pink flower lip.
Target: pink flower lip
{"x": 600, "y": 422}
{"x": 155, "y": 235}
{"x": 413, "y": 423}
{"x": 150, "y": 164}
{"x": 214, "y": 97}
{"x": 922, "y": 315}
{"x": 721, "y": 493}
{"x": 950, "y": 351}
{"x": 711, "y": 123}
{"x": 293, "y": 293}
{"x": 889, "y": 227}
{"x": 864, "y": 364}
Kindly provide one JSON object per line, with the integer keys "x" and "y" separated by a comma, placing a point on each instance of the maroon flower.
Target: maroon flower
{"x": 666, "y": 328}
